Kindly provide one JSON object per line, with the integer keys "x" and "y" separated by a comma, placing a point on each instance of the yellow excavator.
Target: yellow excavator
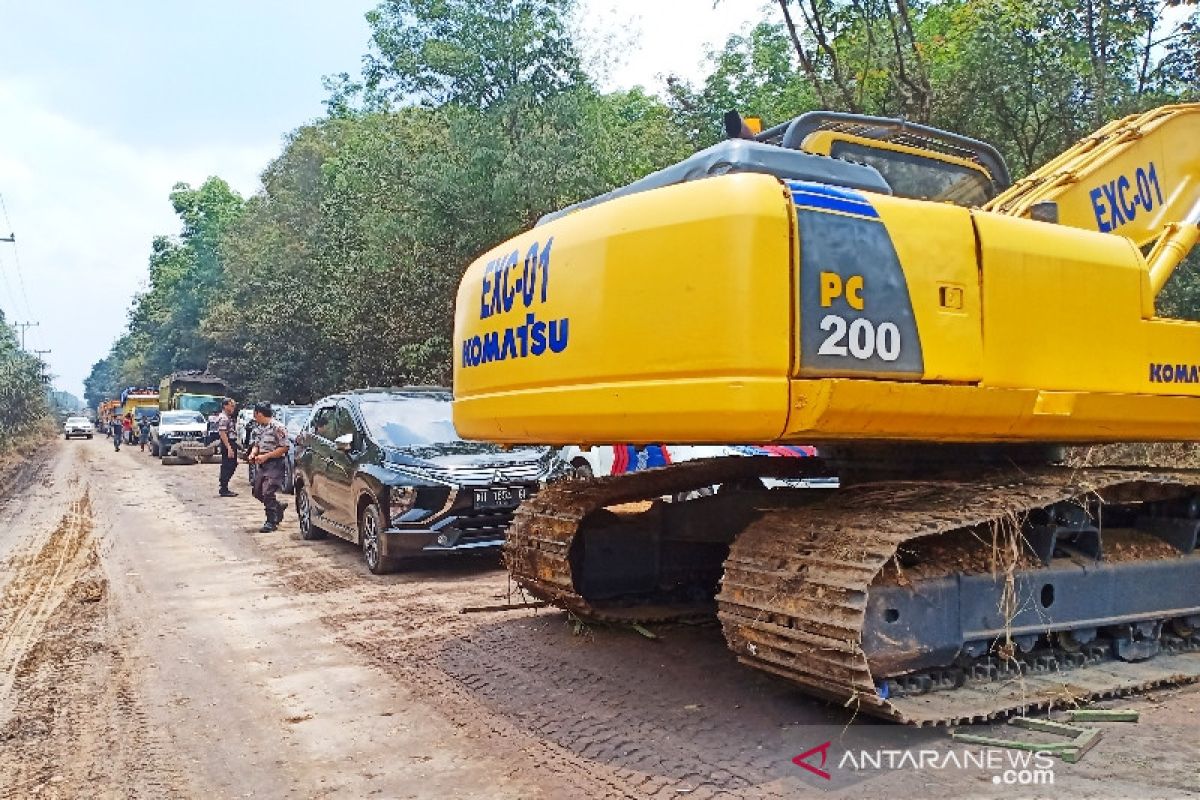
{"x": 882, "y": 290}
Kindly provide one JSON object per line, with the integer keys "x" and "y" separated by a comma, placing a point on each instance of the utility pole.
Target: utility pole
{"x": 40, "y": 353}
{"x": 24, "y": 326}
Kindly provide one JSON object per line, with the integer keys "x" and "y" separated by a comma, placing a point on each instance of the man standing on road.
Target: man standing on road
{"x": 116, "y": 430}
{"x": 143, "y": 432}
{"x": 227, "y": 434}
{"x": 268, "y": 454}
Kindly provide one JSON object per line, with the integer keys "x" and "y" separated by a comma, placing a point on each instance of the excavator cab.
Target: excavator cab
{"x": 916, "y": 161}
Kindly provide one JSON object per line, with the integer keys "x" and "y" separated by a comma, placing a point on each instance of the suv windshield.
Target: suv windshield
{"x": 205, "y": 404}
{"x": 405, "y": 422}
{"x": 181, "y": 418}
{"x": 76, "y": 421}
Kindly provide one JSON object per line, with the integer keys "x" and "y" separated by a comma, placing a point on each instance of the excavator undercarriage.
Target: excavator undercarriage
{"x": 938, "y": 598}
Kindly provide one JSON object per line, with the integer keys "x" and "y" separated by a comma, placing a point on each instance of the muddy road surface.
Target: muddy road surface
{"x": 154, "y": 644}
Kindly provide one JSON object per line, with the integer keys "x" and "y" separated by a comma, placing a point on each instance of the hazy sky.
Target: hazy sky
{"x": 105, "y": 106}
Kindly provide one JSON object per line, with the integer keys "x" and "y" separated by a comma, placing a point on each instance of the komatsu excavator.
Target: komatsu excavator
{"x": 879, "y": 289}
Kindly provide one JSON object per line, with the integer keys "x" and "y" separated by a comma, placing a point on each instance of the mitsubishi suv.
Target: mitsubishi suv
{"x": 385, "y": 469}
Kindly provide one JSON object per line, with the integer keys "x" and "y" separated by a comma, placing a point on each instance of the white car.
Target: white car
{"x": 78, "y": 426}
{"x": 174, "y": 427}
{"x": 619, "y": 459}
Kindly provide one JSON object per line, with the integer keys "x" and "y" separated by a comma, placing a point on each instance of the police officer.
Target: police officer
{"x": 268, "y": 455}
{"x": 227, "y": 442}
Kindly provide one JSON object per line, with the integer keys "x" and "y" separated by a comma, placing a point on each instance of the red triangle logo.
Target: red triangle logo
{"x": 802, "y": 760}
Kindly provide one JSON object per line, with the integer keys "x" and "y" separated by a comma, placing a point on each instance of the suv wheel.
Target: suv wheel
{"x": 370, "y": 529}
{"x": 308, "y": 530}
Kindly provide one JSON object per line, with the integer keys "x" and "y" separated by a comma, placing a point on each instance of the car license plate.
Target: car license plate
{"x": 500, "y": 497}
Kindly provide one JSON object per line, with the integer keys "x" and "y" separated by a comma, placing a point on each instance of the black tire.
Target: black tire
{"x": 582, "y": 469}
{"x": 89, "y": 436}
{"x": 370, "y": 528}
{"x": 67, "y": 436}
{"x": 308, "y": 530}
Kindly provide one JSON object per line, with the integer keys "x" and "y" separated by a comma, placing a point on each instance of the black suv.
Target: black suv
{"x": 384, "y": 468}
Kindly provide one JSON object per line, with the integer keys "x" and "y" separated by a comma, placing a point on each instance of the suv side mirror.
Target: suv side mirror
{"x": 344, "y": 442}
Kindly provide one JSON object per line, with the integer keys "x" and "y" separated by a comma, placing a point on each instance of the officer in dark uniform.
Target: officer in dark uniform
{"x": 227, "y": 442}
{"x": 268, "y": 455}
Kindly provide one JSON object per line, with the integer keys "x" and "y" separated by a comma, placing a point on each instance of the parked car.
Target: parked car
{"x": 78, "y": 426}
{"x": 294, "y": 419}
{"x": 174, "y": 427}
{"x": 618, "y": 459}
{"x": 384, "y": 468}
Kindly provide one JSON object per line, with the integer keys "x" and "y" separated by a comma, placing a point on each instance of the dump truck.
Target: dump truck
{"x": 192, "y": 390}
{"x": 107, "y": 411}
{"x": 881, "y": 290}
{"x": 141, "y": 402}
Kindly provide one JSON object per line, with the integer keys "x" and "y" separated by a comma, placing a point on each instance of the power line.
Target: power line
{"x": 4, "y": 279}
{"x": 12, "y": 238}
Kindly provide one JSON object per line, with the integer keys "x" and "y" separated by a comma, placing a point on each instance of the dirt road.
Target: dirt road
{"x": 154, "y": 644}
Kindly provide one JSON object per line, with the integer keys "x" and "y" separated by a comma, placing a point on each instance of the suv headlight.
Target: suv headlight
{"x": 401, "y": 499}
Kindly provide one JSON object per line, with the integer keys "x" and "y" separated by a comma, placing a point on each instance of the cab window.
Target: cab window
{"x": 919, "y": 177}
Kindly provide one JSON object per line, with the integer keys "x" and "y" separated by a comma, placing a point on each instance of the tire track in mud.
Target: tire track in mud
{"x": 71, "y": 724}
{"x": 40, "y": 582}
{"x": 593, "y": 726}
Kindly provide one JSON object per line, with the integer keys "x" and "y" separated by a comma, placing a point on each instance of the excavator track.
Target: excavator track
{"x": 795, "y": 595}
{"x": 539, "y": 546}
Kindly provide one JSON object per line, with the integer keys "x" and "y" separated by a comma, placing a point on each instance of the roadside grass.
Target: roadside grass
{"x": 14, "y": 449}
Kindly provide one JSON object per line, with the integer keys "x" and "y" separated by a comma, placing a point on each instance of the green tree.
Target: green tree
{"x": 186, "y": 274}
{"x": 471, "y": 52}
{"x": 22, "y": 394}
